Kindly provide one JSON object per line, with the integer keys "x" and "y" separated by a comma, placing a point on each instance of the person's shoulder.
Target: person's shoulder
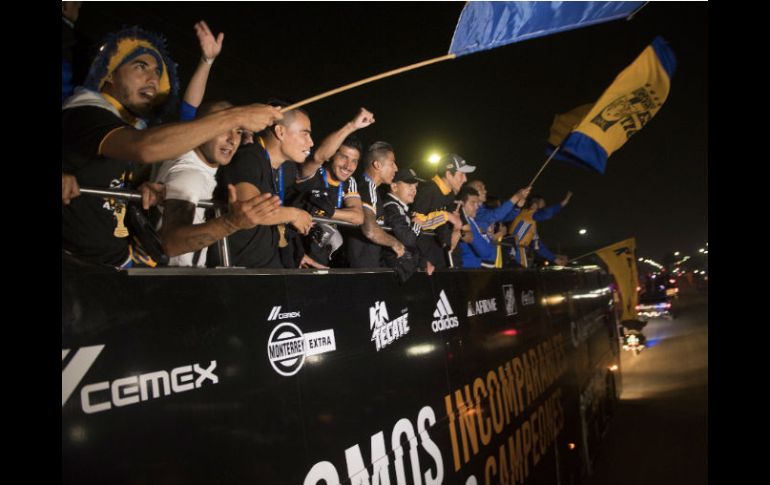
{"x": 89, "y": 115}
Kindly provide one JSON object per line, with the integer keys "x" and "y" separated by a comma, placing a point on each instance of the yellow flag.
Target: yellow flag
{"x": 620, "y": 259}
{"x": 626, "y": 106}
{"x": 564, "y": 123}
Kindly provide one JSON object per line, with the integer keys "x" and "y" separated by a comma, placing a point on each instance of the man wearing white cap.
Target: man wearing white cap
{"x": 434, "y": 207}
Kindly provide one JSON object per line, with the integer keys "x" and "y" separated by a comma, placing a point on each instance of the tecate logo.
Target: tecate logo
{"x": 384, "y": 332}
{"x": 445, "y": 317}
{"x": 275, "y": 314}
{"x": 102, "y": 396}
{"x": 287, "y": 347}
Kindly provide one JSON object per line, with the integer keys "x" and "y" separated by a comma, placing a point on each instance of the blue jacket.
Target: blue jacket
{"x": 480, "y": 249}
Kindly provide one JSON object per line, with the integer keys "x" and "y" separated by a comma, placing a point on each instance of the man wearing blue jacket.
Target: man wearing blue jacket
{"x": 476, "y": 246}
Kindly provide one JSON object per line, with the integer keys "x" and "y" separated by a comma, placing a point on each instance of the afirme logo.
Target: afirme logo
{"x": 445, "y": 316}
{"x": 102, "y": 396}
{"x": 287, "y": 347}
{"x": 481, "y": 307}
{"x": 384, "y": 332}
{"x": 510, "y": 300}
{"x": 275, "y": 314}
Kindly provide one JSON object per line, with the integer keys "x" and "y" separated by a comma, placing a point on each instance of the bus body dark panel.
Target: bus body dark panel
{"x": 236, "y": 376}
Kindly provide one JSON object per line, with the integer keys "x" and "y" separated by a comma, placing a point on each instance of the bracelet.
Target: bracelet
{"x": 207, "y": 60}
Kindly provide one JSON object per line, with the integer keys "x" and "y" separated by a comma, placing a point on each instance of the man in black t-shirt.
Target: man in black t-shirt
{"x": 327, "y": 187}
{"x": 269, "y": 167}
{"x": 364, "y": 246}
{"x": 104, "y": 137}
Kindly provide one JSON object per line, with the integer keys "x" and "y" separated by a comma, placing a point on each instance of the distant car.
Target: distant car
{"x": 672, "y": 290}
{"x": 655, "y": 305}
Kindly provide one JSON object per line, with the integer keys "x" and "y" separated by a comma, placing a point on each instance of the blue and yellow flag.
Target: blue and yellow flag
{"x": 620, "y": 259}
{"x": 562, "y": 125}
{"x": 626, "y": 106}
{"x": 486, "y": 25}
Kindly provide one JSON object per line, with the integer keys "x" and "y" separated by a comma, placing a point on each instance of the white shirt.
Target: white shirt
{"x": 190, "y": 179}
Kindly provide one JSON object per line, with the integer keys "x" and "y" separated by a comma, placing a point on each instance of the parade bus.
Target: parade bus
{"x": 246, "y": 376}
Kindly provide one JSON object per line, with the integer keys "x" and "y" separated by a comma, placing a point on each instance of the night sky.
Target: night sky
{"x": 494, "y": 108}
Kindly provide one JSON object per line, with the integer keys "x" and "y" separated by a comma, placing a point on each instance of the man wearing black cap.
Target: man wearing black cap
{"x": 397, "y": 216}
{"x": 434, "y": 206}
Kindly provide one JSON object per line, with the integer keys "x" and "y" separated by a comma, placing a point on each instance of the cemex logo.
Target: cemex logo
{"x": 287, "y": 347}
{"x": 384, "y": 332}
{"x": 509, "y": 296}
{"x": 102, "y": 396}
{"x": 481, "y": 307}
{"x": 445, "y": 317}
{"x": 275, "y": 314}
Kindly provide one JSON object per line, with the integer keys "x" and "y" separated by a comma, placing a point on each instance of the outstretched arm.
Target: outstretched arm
{"x": 171, "y": 140}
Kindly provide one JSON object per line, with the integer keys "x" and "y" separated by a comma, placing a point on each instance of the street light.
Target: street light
{"x": 582, "y": 232}
{"x": 701, "y": 250}
{"x": 676, "y": 253}
{"x": 434, "y": 158}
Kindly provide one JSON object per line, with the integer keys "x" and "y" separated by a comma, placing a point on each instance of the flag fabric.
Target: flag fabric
{"x": 620, "y": 259}
{"x": 626, "y": 107}
{"x": 486, "y": 25}
{"x": 564, "y": 123}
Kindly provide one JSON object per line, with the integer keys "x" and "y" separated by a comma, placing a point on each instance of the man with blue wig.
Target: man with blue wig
{"x": 106, "y": 139}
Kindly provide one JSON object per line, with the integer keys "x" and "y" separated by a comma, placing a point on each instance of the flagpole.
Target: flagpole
{"x": 580, "y": 257}
{"x": 368, "y": 80}
{"x": 543, "y": 167}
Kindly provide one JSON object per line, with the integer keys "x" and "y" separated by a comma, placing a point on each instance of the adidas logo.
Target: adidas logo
{"x": 444, "y": 315}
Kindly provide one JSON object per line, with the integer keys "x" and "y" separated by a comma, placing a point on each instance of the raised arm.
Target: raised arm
{"x": 210, "y": 49}
{"x": 331, "y": 143}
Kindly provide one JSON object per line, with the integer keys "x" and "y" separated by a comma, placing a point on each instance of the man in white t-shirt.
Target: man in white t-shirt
{"x": 190, "y": 178}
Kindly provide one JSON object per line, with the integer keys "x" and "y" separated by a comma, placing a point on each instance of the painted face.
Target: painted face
{"x": 471, "y": 205}
{"x": 135, "y": 84}
{"x": 344, "y": 162}
{"x": 404, "y": 191}
{"x": 221, "y": 149}
{"x": 388, "y": 168}
{"x": 456, "y": 181}
{"x": 296, "y": 141}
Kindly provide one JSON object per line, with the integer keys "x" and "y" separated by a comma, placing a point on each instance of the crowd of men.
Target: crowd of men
{"x": 287, "y": 203}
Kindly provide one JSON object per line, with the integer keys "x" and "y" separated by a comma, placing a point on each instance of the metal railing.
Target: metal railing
{"x": 219, "y": 209}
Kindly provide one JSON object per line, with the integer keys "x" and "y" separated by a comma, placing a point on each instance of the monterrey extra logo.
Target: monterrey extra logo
{"x": 287, "y": 347}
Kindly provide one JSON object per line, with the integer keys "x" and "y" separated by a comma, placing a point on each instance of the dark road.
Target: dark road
{"x": 660, "y": 429}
